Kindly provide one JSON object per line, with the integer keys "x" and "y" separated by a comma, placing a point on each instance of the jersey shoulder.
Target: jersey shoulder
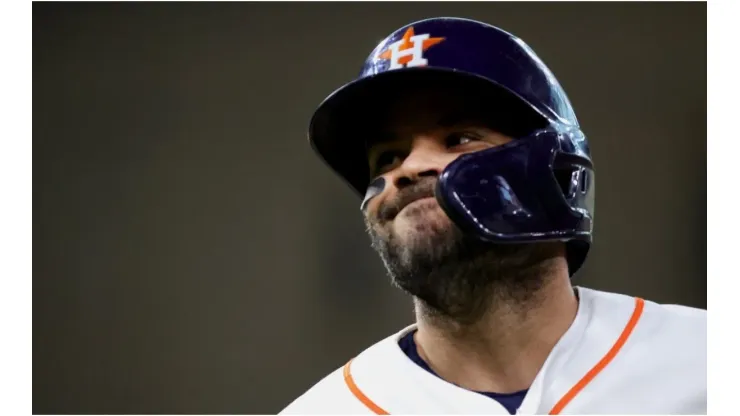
{"x": 328, "y": 396}
{"x": 336, "y": 393}
{"x": 667, "y": 340}
{"x": 683, "y": 313}
{"x": 658, "y": 323}
{"x": 663, "y": 353}
{"x": 679, "y": 330}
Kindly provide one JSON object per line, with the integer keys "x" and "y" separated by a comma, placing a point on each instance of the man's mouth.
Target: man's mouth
{"x": 426, "y": 202}
{"x": 390, "y": 211}
{"x": 416, "y": 195}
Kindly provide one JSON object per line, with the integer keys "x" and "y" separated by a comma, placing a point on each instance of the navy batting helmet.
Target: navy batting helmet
{"x": 538, "y": 187}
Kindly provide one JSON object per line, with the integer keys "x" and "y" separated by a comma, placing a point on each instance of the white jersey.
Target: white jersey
{"x": 621, "y": 355}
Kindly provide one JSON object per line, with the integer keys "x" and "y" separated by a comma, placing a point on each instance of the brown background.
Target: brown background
{"x": 191, "y": 255}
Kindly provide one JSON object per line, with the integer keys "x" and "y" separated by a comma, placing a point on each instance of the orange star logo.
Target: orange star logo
{"x": 408, "y": 50}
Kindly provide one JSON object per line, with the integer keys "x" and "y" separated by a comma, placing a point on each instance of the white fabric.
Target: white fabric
{"x": 660, "y": 369}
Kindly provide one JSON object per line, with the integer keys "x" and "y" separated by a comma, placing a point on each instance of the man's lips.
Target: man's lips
{"x": 428, "y": 201}
{"x": 388, "y": 210}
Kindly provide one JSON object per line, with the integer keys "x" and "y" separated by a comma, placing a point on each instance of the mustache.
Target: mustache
{"x": 390, "y": 208}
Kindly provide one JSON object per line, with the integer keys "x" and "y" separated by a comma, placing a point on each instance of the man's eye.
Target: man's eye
{"x": 458, "y": 139}
{"x": 386, "y": 160}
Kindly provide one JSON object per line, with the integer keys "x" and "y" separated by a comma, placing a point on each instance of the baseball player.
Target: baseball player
{"x": 478, "y": 196}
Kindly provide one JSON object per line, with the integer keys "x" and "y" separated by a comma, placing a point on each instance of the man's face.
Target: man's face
{"x": 423, "y": 251}
{"x": 422, "y": 135}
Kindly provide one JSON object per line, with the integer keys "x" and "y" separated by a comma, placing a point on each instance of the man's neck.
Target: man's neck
{"x": 504, "y": 350}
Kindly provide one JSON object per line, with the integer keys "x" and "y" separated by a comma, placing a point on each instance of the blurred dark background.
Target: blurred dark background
{"x": 192, "y": 255}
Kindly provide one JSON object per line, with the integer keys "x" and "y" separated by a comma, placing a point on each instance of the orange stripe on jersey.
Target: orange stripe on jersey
{"x": 626, "y": 332}
{"x": 359, "y": 394}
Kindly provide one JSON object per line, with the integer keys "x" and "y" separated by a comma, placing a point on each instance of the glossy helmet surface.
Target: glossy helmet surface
{"x": 538, "y": 187}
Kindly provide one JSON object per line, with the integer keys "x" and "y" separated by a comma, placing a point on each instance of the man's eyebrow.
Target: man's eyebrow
{"x": 448, "y": 120}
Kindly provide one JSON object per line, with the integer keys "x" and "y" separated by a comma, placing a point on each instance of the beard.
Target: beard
{"x": 456, "y": 276}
